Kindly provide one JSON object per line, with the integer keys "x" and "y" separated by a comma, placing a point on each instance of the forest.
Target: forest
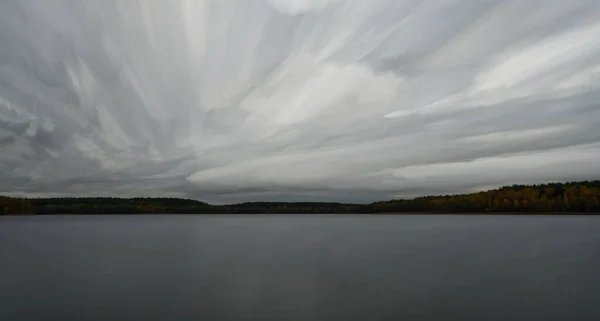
{"x": 571, "y": 197}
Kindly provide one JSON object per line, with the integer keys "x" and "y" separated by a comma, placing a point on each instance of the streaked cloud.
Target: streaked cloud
{"x": 345, "y": 100}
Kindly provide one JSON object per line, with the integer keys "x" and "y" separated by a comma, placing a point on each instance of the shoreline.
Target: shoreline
{"x": 310, "y": 214}
{"x": 490, "y": 213}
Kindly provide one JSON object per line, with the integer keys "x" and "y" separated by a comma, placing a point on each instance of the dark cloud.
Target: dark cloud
{"x": 343, "y": 100}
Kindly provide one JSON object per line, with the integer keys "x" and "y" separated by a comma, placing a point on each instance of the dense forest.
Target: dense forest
{"x": 573, "y": 197}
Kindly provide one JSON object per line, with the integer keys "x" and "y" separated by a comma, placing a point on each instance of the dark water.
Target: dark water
{"x": 300, "y": 268}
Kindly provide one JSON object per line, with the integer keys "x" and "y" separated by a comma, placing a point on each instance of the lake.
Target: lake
{"x": 300, "y": 267}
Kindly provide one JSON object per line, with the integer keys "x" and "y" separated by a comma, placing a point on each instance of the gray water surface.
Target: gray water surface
{"x": 294, "y": 267}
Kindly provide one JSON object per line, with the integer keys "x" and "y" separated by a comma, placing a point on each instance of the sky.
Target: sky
{"x": 316, "y": 100}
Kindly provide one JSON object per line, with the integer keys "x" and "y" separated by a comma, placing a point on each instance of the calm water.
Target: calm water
{"x": 294, "y": 267}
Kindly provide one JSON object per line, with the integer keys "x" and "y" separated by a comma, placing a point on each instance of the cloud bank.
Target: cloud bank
{"x": 343, "y": 100}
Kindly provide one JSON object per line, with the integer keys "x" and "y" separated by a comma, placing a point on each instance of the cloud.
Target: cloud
{"x": 229, "y": 101}
{"x": 294, "y": 7}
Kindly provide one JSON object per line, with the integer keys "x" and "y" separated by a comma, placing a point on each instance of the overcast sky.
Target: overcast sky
{"x": 342, "y": 100}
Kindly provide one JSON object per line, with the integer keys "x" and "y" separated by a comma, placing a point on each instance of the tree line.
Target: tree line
{"x": 571, "y": 197}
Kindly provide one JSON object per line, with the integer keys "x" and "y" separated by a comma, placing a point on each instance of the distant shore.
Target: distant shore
{"x": 478, "y": 213}
{"x": 572, "y": 198}
{"x": 312, "y": 213}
